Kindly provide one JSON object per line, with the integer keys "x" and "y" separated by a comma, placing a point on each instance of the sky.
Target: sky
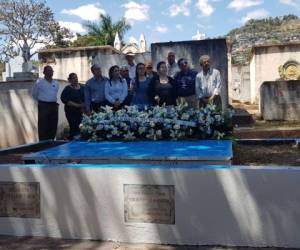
{"x": 171, "y": 20}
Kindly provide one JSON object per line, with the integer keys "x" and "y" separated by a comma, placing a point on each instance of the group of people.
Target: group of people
{"x": 132, "y": 84}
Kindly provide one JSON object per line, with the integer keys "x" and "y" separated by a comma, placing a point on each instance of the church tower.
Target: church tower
{"x": 143, "y": 44}
{"x": 117, "y": 42}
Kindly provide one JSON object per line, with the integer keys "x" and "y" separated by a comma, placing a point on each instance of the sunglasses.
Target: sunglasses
{"x": 183, "y": 63}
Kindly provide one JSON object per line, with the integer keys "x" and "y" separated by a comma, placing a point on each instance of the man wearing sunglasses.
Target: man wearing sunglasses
{"x": 185, "y": 79}
{"x": 208, "y": 84}
{"x": 150, "y": 73}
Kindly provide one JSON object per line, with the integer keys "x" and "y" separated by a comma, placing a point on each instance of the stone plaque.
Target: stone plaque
{"x": 20, "y": 199}
{"x": 149, "y": 204}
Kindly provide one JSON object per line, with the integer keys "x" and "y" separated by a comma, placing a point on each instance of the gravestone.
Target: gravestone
{"x": 149, "y": 204}
{"x": 19, "y": 199}
{"x": 280, "y": 100}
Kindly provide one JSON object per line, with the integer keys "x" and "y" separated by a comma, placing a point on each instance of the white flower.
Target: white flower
{"x": 219, "y": 135}
{"x": 114, "y": 131}
{"x": 176, "y": 126}
{"x": 129, "y": 136}
{"x": 152, "y": 124}
{"x": 141, "y": 130}
{"x": 177, "y": 122}
{"x": 185, "y": 116}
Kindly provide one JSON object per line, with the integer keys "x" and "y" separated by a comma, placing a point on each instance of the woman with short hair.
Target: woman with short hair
{"x": 73, "y": 98}
{"x": 163, "y": 87}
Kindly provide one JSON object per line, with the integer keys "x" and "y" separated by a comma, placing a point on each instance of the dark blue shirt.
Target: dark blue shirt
{"x": 186, "y": 83}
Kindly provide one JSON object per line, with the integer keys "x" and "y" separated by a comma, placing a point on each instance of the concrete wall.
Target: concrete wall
{"x": 233, "y": 206}
{"x": 18, "y": 110}
{"x": 239, "y": 88}
{"x": 106, "y": 61}
{"x": 192, "y": 50}
{"x": 280, "y": 100}
{"x": 80, "y": 62}
{"x": 266, "y": 63}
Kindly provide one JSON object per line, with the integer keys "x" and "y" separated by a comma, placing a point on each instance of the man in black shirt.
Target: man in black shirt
{"x": 185, "y": 79}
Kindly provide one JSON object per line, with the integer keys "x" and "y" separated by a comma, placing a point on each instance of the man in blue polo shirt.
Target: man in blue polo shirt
{"x": 94, "y": 96}
{"x": 185, "y": 79}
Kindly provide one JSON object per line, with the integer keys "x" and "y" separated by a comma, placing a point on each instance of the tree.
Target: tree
{"x": 85, "y": 40}
{"x": 61, "y": 37}
{"x": 23, "y": 25}
{"x": 103, "y": 33}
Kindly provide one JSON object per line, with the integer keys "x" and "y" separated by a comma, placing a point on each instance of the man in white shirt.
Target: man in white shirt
{"x": 208, "y": 84}
{"x": 130, "y": 65}
{"x": 45, "y": 93}
{"x": 172, "y": 65}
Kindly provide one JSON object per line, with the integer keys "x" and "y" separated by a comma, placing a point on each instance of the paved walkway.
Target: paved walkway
{"x": 37, "y": 243}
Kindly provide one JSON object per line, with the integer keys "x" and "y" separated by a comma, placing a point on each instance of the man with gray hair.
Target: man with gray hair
{"x": 94, "y": 90}
{"x": 208, "y": 84}
{"x": 124, "y": 72}
{"x": 172, "y": 64}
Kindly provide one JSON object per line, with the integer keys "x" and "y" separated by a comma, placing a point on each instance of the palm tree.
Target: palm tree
{"x": 104, "y": 32}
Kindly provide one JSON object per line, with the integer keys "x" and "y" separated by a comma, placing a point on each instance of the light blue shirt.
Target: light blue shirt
{"x": 116, "y": 90}
{"x": 45, "y": 91}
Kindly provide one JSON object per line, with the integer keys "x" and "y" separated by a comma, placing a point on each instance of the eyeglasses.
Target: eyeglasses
{"x": 183, "y": 63}
{"x": 149, "y": 67}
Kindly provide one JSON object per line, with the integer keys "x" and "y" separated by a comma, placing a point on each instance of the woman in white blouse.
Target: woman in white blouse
{"x": 116, "y": 89}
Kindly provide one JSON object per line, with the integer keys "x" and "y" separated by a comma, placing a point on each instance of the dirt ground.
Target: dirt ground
{"x": 284, "y": 154}
{"x": 36, "y": 243}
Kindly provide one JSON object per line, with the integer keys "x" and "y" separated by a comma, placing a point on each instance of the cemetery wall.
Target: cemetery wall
{"x": 214, "y": 205}
{"x": 18, "y": 110}
{"x": 79, "y": 60}
{"x": 217, "y": 49}
{"x": 265, "y": 63}
{"x": 239, "y": 87}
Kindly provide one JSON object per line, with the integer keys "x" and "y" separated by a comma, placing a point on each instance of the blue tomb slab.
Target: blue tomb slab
{"x": 200, "y": 150}
{"x": 148, "y": 166}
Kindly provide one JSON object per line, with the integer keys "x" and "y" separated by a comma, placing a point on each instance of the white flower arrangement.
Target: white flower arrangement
{"x": 156, "y": 123}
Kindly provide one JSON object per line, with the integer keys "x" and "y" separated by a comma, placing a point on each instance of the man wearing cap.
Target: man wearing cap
{"x": 45, "y": 92}
{"x": 185, "y": 80}
{"x": 94, "y": 91}
{"x": 208, "y": 84}
{"x": 130, "y": 64}
{"x": 172, "y": 65}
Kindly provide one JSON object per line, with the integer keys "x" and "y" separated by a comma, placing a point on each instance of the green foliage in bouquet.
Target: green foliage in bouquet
{"x": 157, "y": 123}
